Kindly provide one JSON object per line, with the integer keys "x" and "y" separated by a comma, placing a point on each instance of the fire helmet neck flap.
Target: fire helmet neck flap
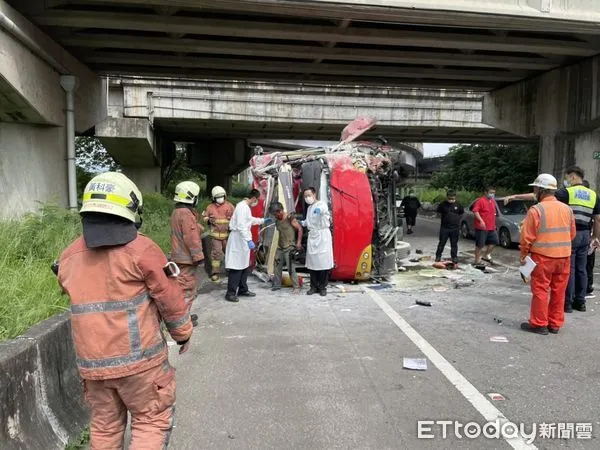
{"x": 114, "y": 194}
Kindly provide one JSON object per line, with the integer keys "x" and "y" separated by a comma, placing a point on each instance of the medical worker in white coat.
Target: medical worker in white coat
{"x": 319, "y": 247}
{"x": 239, "y": 245}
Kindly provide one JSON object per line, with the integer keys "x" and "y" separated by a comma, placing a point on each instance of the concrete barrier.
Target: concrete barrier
{"x": 41, "y": 397}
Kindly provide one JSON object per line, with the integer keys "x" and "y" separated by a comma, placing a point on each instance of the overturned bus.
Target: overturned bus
{"x": 358, "y": 180}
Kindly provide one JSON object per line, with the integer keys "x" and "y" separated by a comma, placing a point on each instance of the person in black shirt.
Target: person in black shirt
{"x": 411, "y": 205}
{"x": 451, "y": 213}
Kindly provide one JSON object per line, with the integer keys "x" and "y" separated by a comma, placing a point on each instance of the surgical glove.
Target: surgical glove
{"x": 268, "y": 221}
{"x": 317, "y": 211}
{"x": 251, "y": 245}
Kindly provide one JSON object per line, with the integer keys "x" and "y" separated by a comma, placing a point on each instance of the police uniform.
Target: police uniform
{"x": 585, "y": 205}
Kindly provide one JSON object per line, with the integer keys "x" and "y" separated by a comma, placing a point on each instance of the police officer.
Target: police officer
{"x": 586, "y": 208}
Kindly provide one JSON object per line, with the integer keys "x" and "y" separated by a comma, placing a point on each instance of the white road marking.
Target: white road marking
{"x": 464, "y": 386}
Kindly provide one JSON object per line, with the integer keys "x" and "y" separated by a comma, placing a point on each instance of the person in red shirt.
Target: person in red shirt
{"x": 486, "y": 236}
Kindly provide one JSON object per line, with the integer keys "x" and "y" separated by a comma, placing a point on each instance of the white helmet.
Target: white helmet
{"x": 545, "y": 181}
{"x": 217, "y": 192}
{"x": 187, "y": 192}
{"x": 113, "y": 193}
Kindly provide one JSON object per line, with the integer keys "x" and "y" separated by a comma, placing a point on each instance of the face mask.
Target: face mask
{"x": 452, "y": 201}
{"x": 309, "y": 200}
{"x": 566, "y": 183}
{"x": 491, "y": 196}
{"x": 221, "y": 200}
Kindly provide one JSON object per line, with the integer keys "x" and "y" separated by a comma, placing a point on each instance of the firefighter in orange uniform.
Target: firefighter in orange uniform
{"x": 118, "y": 284}
{"x": 217, "y": 215}
{"x": 547, "y": 233}
{"x": 186, "y": 242}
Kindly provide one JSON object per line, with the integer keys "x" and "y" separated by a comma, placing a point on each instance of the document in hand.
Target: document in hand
{"x": 527, "y": 269}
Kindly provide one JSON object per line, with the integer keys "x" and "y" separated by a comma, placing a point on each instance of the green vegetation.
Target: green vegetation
{"x": 81, "y": 442}
{"x": 434, "y": 196}
{"x": 30, "y": 245}
{"x": 509, "y": 168}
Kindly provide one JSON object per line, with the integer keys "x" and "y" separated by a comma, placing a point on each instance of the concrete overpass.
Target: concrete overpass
{"x": 217, "y": 117}
{"x": 534, "y": 59}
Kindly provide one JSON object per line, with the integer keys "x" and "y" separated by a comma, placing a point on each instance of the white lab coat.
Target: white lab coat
{"x": 319, "y": 247}
{"x": 237, "y": 253}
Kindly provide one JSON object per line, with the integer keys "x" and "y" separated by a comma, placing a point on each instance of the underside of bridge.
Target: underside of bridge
{"x": 534, "y": 62}
{"x": 356, "y": 42}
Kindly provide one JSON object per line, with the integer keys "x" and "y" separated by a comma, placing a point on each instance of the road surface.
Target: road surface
{"x": 302, "y": 372}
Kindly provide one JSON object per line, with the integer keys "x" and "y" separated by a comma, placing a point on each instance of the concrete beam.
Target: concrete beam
{"x": 563, "y": 101}
{"x": 306, "y": 52}
{"x": 129, "y": 141}
{"x": 147, "y": 179}
{"x": 322, "y": 69}
{"x": 264, "y": 30}
{"x": 533, "y": 15}
{"x": 38, "y": 84}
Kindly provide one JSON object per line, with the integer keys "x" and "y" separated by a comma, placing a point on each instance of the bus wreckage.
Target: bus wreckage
{"x": 358, "y": 181}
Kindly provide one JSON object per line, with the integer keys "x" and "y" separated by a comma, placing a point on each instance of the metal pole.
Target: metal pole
{"x": 69, "y": 83}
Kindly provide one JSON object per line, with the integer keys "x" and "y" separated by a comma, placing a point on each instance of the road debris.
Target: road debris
{"x": 415, "y": 363}
{"x": 499, "y": 339}
{"x": 440, "y": 289}
{"x": 422, "y": 303}
{"x": 494, "y": 396}
{"x": 498, "y": 321}
{"x": 419, "y": 252}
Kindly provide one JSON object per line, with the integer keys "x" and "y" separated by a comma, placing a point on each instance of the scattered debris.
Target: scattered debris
{"x": 415, "y": 363}
{"x": 498, "y": 321}
{"x": 419, "y": 252}
{"x": 345, "y": 310}
{"x": 480, "y": 267}
{"x": 499, "y": 339}
{"x": 496, "y": 397}
{"x": 231, "y": 436}
{"x": 401, "y": 269}
{"x": 489, "y": 269}
{"x": 380, "y": 286}
{"x": 422, "y": 303}
{"x": 440, "y": 288}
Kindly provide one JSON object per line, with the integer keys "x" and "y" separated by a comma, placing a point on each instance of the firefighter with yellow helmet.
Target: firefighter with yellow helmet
{"x": 121, "y": 288}
{"x": 217, "y": 215}
{"x": 186, "y": 242}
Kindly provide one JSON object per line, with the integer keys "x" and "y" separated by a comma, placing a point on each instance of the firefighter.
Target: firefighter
{"x": 186, "y": 242}
{"x": 217, "y": 215}
{"x": 548, "y": 230}
{"x": 117, "y": 282}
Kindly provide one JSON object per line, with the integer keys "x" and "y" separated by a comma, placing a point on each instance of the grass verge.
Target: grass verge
{"x": 30, "y": 245}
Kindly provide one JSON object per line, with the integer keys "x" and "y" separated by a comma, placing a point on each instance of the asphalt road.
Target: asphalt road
{"x": 299, "y": 372}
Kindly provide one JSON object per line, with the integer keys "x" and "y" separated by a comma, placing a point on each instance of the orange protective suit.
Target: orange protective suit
{"x": 119, "y": 296}
{"x": 218, "y": 217}
{"x": 547, "y": 233}
{"x": 186, "y": 248}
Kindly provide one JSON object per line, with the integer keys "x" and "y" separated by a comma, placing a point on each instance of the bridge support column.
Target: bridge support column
{"x": 220, "y": 159}
{"x": 562, "y": 108}
{"x": 147, "y": 179}
{"x": 32, "y": 167}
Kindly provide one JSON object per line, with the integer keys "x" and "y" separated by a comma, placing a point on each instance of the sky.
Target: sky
{"x": 435, "y": 149}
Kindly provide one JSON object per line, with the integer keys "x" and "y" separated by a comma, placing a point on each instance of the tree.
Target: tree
{"x": 91, "y": 158}
{"x": 506, "y": 167}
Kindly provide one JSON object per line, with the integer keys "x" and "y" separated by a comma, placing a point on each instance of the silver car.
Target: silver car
{"x": 508, "y": 219}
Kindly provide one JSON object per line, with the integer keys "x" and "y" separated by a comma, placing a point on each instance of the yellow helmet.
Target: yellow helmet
{"x": 113, "y": 193}
{"x": 187, "y": 192}
{"x": 218, "y": 191}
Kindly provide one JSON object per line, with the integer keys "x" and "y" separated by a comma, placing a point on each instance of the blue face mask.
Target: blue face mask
{"x": 491, "y": 196}
{"x": 566, "y": 183}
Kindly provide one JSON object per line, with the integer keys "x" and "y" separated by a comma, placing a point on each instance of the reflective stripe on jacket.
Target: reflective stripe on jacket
{"x": 219, "y": 216}
{"x": 119, "y": 295}
{"x": 186, "y": 243}
{"x": 548, "y": 229}
{"x": 582, "y": 201}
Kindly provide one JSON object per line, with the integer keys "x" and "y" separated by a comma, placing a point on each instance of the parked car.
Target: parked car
{"x": 508, "y": 219}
